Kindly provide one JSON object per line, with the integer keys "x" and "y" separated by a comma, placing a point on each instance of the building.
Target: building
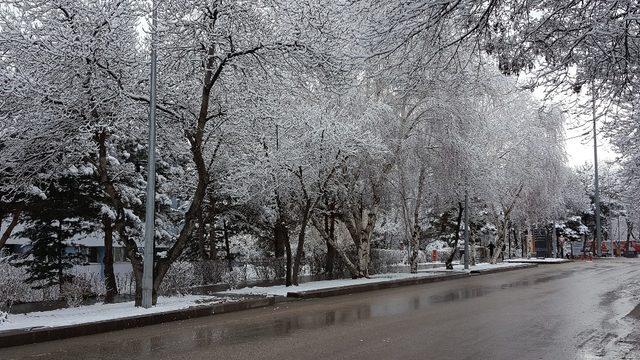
{"x": 90, "y": 248}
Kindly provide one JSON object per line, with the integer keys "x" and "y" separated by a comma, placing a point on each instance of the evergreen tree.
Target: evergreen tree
{"x": 51, "y": 223}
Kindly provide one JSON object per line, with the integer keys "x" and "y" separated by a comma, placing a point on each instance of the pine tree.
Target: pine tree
{"x": 52, "y": 222}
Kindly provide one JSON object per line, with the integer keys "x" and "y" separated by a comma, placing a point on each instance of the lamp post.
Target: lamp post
{"x": 149, "y": 228}
{"x": 595, "y": 165}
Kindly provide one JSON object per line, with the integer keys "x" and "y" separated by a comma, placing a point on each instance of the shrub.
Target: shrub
{"x": 266, "y": 268}
{"x": 382, "y": 260}
{"x": 236, "y": 277}
{"x": 179, "y": 279}
{"x": 209, "y": 272}
{"x": 13, "y": 287}
{"x": 76, "y": 290}
{"x": 317, "y": 261}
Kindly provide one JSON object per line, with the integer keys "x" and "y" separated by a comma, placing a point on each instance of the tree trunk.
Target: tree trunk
{"x": 504, "y": 228}
{"x": 365, "y": 244}
{"x": 415, "y": 237}
{"x": 415, "y": 244}
{"x": 60, "y": 254}
{"x": 502, "y": 232}
{"x": 284, "y": 233}
{"x": 227, "y": 245}
{"x": 456, "y": 238}
{"x": 197, "y": 141}
{"x": 361, "y": 236}
{"x": 288, "y": 277}
{"x": 111, "y": 289}
{"x": 211, "y": 236}
{"x": 364, "y": 248}
{"x": 348, "y": 263}
{"x": 330, "y": 229}
{"x": 300, "y": 250}
{"x": 278, "y": 239}
{"x": 281, "y": 237}
{"x": 7, "y": 232}
{"x": 516, "y": 243}
{"x": 200, "y": 235}
{"x": 472, "y": 251}
{"x": 137, "y": 268}
{"x": 119, "y": 225}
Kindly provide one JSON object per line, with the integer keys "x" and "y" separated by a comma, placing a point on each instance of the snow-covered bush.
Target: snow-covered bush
{"x": 441, "y": 247}
{"x": 6, "y": 257}
{"x": 209, "y": 272}
{"x": 179, "y": 279}
{"x": 76, "y": 290}
{"x": 236, "y": 277}
{"x": 444, "y": 254}
{"x": 13, "y": 287}
{"x": 124, "y": 282}
{"x": 383, "y": 259}
{"x": 244, "y": 246}
{"x": 316, "y": 260}
{"x": 95, "y": 280}
{"x": 265, "y": 268}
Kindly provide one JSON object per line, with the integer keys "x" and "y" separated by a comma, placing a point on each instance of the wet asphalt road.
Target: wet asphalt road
{"x": 580, "y": 310}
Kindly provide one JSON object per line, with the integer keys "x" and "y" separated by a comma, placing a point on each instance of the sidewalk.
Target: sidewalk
{"x": 484, "y": 268}
{"x": 327, "y": 288}
{"x": 538, "y": 260}
{"x": 374, "y": 282}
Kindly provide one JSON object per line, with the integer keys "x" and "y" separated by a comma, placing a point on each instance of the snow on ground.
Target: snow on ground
{"x": 478, "y": 267}
{"x": 538, "y": 260}
{"x": 100, "y": 312}
{"x": 281, "y": 290}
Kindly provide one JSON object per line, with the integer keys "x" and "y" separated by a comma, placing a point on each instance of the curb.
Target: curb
{"x": 345, "y": 290}
{"x": 504, "y": 269}
{"x": 353, "y": 289}
{"x": 31, "y": 336}
{"x": 541, "y": 262}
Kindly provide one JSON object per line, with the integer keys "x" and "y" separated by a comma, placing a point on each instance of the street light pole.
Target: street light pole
{"x": 149, "y": 228}
{"x": 595, "y": 163}
{"x": 466, "y": 229}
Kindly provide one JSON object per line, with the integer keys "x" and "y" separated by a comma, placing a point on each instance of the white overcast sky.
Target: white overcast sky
{"x": 580, "y": 152}
{"x": 580, "y": 148}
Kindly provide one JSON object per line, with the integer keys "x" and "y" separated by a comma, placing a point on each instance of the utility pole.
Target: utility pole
{"x": 598, "y": 237}
{"x": 149, "y": 228}
{"x": 466, "y": 229}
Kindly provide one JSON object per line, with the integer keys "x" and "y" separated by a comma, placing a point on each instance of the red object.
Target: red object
{"x": 603, "y": 246}
{"x": 434, "y": 255}
{"x": 633, "y": 247}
